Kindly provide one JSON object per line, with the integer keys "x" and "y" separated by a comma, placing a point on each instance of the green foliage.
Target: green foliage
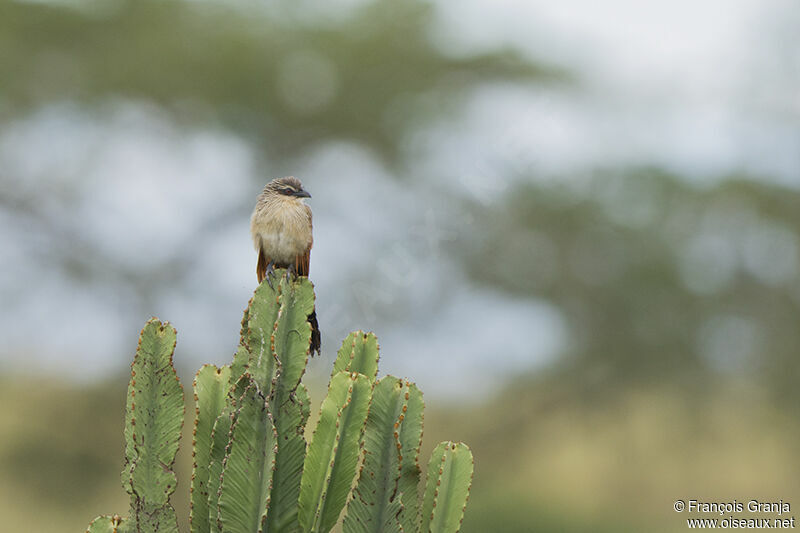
{"x": 253, "y": 471}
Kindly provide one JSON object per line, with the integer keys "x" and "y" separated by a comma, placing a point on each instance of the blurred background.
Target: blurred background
{"x": 574, "y": 225}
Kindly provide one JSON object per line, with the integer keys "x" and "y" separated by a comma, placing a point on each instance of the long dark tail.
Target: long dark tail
{"x": 316, "y": 338}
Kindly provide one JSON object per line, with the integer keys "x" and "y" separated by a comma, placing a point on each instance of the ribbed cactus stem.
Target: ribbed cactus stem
{"x": 290, "y": 347}
{"x": 248, "y": 466}
{"x": 210, "y": 392}
{"x": 359, "y": 353}
{"x": 332, "y": 457}
{"x": 154, "y": 419}
{"x": 220, "y": 442}
{"x": 447, "y": 490}
{"x": 376, "y": 505}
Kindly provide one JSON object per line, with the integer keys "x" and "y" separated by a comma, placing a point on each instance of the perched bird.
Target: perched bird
{"x": 281, "y": 230}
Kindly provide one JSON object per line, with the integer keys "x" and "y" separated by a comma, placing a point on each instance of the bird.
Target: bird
{"x": 282, "y": 235}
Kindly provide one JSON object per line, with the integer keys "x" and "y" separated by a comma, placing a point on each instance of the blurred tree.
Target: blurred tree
{"x": 282, "y": 81}
{"x": 659, "y": 280}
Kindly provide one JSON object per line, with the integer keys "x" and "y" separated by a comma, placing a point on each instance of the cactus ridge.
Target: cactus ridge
{"x": 261, "y": 316}
{"x": 332, "y": 457}
{"x": 449, "y": 479}
{"x": 290, "y": 348}
{"x": 410, "y": 438}
{"x": 154, "y": 419}
{"x": 210, "y": 392}
{"x": 359, "y": 353}
{"x": 220, "y": 441}
{"x": 248, "y": 466}
{"x": 375, "y": 505}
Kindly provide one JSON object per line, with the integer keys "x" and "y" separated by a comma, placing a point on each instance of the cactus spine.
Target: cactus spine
{"x": 253, "y": 470}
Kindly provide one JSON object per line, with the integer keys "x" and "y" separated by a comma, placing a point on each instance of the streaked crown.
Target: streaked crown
{"x": 285, "y": 185}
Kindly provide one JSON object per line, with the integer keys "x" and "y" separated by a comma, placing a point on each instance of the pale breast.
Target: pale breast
{"x": 282, "y": 230}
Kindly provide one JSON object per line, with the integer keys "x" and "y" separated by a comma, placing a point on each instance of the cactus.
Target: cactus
{"x": 359, "y": 353}
{"x": 447, "y": 490}
{"x": 210, "y": 391}
{"x": 386, "y": 494}
{"x": 291, "y": 337}
{"x": 253, "y": 470}
{"x": 153, "y": 422}
{"x": 246, "y": 480}
{"x": 330, "y": 464}
{"x": 108, "y": 524}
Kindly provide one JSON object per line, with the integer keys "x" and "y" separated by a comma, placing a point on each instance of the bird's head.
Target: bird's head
{"x": 288, "y": 189}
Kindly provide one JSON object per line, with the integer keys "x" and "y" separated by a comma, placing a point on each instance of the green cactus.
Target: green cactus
{"x": 210, "y": 392}
{"x": 359, "y": 353}
{"x": 377, "y": 505}
{"x": 410, "y": 437}
{"x": 220, "y": 441}
{"x": 447, "y": 490}
{"x": 253, "y": 470}
{"x": 246, "y": 480}
{"x": 153, "y": 423}
{"x": 332, "y": 457}
{"x": 108, "y": 524}
{"x": 292, "y": 334}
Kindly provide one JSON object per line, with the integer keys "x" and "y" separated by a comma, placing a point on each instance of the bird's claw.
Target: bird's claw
{"x": 291, "y": 273}
{"x": 269, "y": 273}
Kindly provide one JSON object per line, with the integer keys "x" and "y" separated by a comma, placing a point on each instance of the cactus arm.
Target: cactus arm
{"x": 210, "y": 391}
{"x": 375, "y": 506}
{"x": 447, "y": 490}
{"x": 108, "y": 524}
{"x": 248, "y": 466}
{"x": 410, "y": 436}
{"x": 292, "y": 334}
{"x": 154, "y": 419}
{"x": 219, "y": 442}
{"x": 332, "y": 456}
{"x": 241, "y": 361}
{"x": 220, "y": 439}
{"x": 359, "y": 353}
{"x": 261, "y": 316}
{"x": 304, "y": 400}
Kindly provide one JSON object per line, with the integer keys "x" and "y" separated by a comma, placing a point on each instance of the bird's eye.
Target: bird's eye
{"x": 287, "y": 191}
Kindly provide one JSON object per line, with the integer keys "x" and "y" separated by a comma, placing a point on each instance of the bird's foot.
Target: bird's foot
{"x": 269, "y": 273}
{"x": 291, "y": 273}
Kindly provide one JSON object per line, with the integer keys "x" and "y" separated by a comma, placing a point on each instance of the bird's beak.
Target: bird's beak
{"x": 301, "y": 194}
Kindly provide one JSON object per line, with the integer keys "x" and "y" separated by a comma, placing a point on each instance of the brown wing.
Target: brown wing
{"x": 261, "y": 265}
{"x": 303, "y": 261}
